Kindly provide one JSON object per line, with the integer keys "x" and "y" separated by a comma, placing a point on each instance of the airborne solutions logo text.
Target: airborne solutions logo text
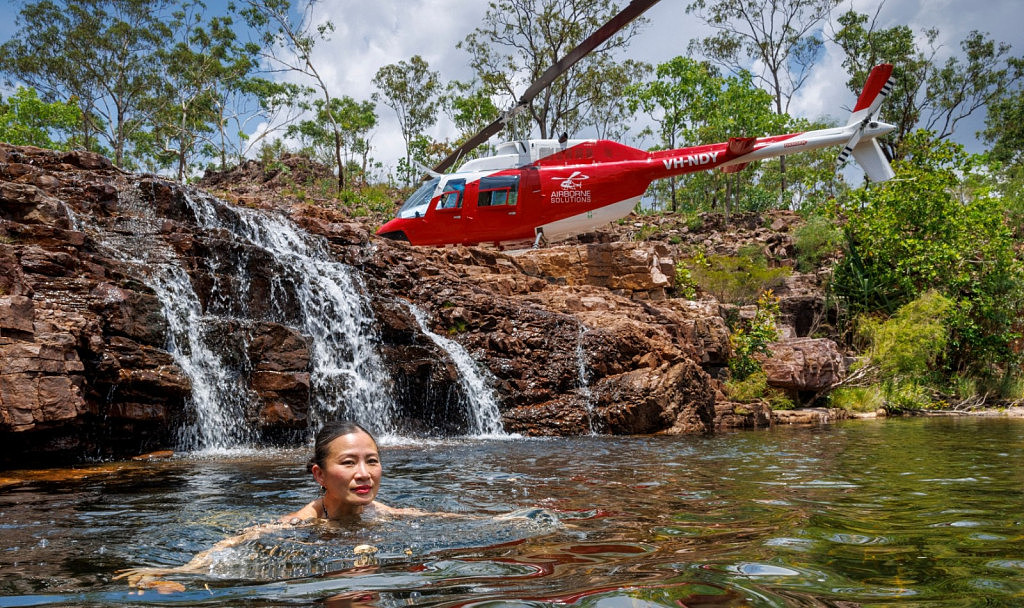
{"x": 571, "y": 189}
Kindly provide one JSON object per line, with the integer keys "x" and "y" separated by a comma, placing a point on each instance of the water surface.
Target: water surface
{"x": 919, "y": 512}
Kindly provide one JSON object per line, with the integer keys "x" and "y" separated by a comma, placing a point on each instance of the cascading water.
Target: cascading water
{"x": 311, "y": 292}
{"x": 217, "y": 400}
{"x": 482, "y": 409}
{"x": 347, "y": 374}
{"x": 583, "y": 378}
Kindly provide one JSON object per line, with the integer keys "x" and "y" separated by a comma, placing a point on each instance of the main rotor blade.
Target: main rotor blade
{"x": 606, "y": 31}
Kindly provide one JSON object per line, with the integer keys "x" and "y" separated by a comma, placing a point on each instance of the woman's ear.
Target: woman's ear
{"x": 318, "y": 474}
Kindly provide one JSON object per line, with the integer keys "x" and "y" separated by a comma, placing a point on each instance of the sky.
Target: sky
{"x": 373, "y": 34}
{"x": 369, "y": 35}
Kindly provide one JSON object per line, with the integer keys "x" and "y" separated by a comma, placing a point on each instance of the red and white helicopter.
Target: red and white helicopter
{"x": 548, "y": 189}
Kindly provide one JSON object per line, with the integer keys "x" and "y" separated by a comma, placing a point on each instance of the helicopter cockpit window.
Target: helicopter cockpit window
{"x": 498, "y": 191}
{"x": 416, "y": 204}
{"x": 451, "y": 198}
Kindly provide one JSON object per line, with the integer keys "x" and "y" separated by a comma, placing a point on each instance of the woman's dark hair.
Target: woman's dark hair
{"x": 328, "y": 433}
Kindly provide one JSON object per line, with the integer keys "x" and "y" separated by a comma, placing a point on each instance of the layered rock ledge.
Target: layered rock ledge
{"x": 575, "y": 338}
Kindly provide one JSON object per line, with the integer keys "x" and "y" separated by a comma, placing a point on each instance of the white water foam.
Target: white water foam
{"x": 482, "y": 408}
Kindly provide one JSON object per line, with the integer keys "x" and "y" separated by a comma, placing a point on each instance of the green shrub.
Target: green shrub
{"x": 754, "y": 338}
{"x": 930, "y": 229}
{"x": 751, "y": 388}
{"x": 735, "y": 279}
{"x": 815, "y": 241}
{"x": 858, "y": 398}
{"x": 755, "y": 387}
{"x": 685, "y": 286}
{"x": 909, "y": 344}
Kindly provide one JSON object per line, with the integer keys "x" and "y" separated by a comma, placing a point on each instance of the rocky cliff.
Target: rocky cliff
{"x": 575, "y": 338}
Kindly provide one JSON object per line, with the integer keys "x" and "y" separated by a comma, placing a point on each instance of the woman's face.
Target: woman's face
{"x": 350, "y": 473}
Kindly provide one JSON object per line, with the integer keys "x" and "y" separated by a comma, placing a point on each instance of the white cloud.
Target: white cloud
{"x": 373, "y": 34}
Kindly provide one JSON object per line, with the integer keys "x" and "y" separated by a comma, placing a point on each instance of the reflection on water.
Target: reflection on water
{"x": 924, "y": 512}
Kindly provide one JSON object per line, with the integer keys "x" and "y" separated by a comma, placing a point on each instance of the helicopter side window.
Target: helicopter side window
{"x": 451, "y": 198}
{"x": 498, "y": 191}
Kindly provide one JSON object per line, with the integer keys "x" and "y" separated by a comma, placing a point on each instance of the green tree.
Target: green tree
{"x": 1004, "y": 124}
{"x": 927, "y": 94}
{"x": 287, "y": 44}
{"x": 470, "y": 107}
{"x": 100, "y": 53}
{"x": 608, "y": 111}
{"x": 692, "y": 103}
{"x": 26, "y": 120}
{"x": 412, "y": 90}
{"x": 519, "y": 39}
{"x": 928, "y": 230}
{"x": 185, "y": 109}
{"x": 780, "y": 35}
{"x": 355, "y": 120}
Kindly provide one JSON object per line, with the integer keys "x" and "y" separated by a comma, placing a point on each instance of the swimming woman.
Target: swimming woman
{"x": 346, "y": 464}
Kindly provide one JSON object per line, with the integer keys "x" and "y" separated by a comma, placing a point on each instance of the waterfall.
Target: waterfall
{"x": 483, "y": 411}
{"x": 310, "y": 292}
{"x": 583, "y": 378}
{"x": 347, "y": 374}
{"x": 218, "y": 400}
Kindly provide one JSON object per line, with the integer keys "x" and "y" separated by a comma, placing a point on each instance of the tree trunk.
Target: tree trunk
{"x": 337, "y": 158}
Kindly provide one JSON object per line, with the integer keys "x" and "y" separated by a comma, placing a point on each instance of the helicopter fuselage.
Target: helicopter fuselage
{"x": 561, "y": 189}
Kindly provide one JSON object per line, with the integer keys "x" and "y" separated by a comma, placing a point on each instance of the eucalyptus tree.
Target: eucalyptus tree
{"x": 1004, "y": 123}
{"x": 412, "y": 90}
{"x": 519, "y": 39}
{"x": 185, "y": 111}
{"x": 97, "y": 53}
{"x": 356, "y": 120}
{"x": 691, "y": 103}
{"x": 779, "y": 39}
{"x": 607, "y": 110}
{"x": 470, "y": 108}
{"x": 928, "y": 93}
{"x": 287, "y": 38}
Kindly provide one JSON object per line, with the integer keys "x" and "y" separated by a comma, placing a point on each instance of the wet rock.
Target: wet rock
{"x": 731, "y": 415}
{"x": 809, "y": 416}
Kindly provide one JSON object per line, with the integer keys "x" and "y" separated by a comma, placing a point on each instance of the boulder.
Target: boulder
{"x": 803, "y": 364}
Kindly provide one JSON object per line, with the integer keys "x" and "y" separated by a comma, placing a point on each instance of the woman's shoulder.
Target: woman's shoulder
{"x": 304, "y": 514}
{"x": 382, "y": 509}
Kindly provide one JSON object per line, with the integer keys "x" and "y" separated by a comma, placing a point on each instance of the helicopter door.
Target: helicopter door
{"x": 496, "y": 203}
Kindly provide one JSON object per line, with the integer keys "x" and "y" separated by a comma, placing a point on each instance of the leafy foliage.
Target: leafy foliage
{"x": 100, "y": 53}
{"x": 734, "y": 279}
{"x": 926, "y": 94}
{"x": 691, "y": 102}
{"x": 519, "y": 39}
{"x": 412, "y": 90}
{"x": 755, "y": 337}
{"x": 353, "y": 119}
{"x": 924, "y": 231}
{"x": 815, "y": 241}
{"x": 26, "y": 120}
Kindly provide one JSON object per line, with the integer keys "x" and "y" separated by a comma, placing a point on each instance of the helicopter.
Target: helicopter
{"x": 542, "y": 190}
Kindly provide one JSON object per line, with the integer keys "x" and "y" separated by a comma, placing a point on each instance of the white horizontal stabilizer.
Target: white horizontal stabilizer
{"x": 870, "y": 157}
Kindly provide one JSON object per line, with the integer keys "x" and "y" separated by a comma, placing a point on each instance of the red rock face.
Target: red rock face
{"x": 573, "y": 338}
